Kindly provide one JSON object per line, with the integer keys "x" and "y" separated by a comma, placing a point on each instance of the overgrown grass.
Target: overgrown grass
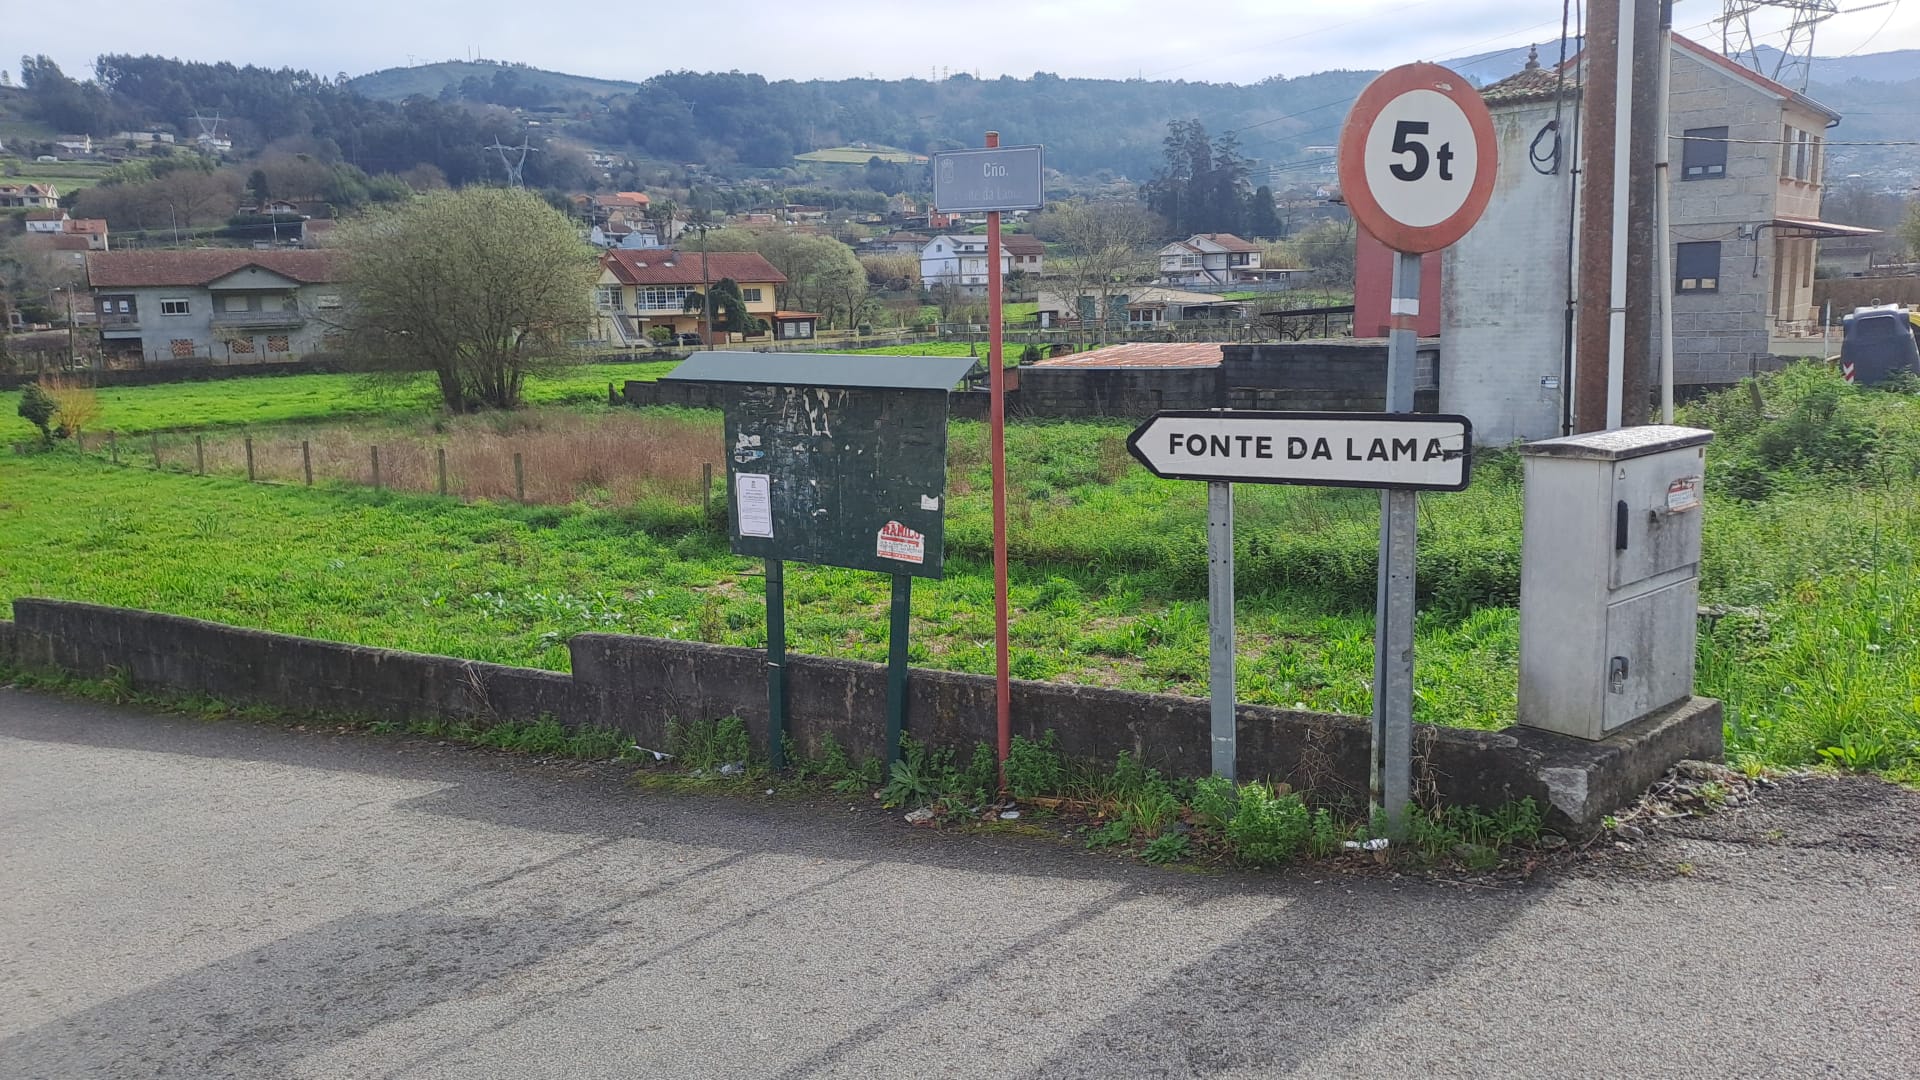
{"x": 274, "y": 399}
{"x": 1812, "y": 557}
{"x": 509, "y": 584}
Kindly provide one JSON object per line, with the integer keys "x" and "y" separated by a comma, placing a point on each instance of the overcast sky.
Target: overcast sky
{"x": 1220, "y": 41}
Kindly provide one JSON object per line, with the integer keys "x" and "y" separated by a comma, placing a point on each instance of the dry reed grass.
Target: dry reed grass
{"x": 566, "y": 457}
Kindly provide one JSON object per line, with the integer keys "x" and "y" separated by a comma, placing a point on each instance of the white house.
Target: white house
{"x": 960, "y": 262}
{"x": 1209, "y": 259}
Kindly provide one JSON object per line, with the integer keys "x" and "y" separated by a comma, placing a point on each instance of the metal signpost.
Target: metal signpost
{"x": 840, "y": 461}
{"x": 994, "y": 179}
{"x": 1417, "y": 167}
{"x": 1399, "y": 452}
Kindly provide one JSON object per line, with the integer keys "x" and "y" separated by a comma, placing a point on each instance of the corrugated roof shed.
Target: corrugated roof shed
{"x": 1145, "y": 354}
{"x": 862, "y": 371}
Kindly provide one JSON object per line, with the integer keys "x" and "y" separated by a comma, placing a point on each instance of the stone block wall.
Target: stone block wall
{"x": 642, "y": 685}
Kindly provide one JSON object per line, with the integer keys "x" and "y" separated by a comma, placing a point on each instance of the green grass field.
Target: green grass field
{"x": 1813, "y": 556}
{"x": 853, "y": 155}
{"x": 272, "y": 399}
{"x": 67, "y": 176}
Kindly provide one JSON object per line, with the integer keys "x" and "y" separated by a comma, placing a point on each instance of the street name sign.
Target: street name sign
{"x": 1417, "y": 158}
{"x": 1399, "y": 451}
{"x": 994, "y": 178}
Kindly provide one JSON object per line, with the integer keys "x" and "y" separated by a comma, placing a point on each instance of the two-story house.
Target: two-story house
{"x": 1745, "y": 206}
{"x": 216, "y": 303}
{"x": 52, "y": 222}
{"x": 31, "y": 196}
{"x": 640, "y": 291}
{"x": 960, "y": 262}
{"x": 1025, "y": 253}
{"x": 93, "y": 231}
{"x": 1209, "y": 259}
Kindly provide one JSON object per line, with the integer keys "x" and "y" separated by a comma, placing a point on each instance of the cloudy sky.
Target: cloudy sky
{"x": 1222, "y": 41}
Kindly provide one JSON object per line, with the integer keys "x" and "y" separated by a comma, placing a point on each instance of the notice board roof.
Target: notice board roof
{"x": 864, "y": 371}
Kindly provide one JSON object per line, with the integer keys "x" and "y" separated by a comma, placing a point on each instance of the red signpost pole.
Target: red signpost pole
{"x": 997, "y": 449}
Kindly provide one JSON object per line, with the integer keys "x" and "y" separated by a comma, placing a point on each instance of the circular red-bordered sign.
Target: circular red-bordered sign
{"x": 1417, "y": 158}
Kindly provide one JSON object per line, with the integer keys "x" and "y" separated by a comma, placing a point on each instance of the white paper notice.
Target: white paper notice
{"x": 755, "y": 496}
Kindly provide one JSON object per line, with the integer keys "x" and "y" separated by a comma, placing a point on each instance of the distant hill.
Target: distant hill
{"x": 428, "y": 80}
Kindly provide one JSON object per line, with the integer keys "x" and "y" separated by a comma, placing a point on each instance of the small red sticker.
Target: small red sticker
{"x": 902, "y": 544}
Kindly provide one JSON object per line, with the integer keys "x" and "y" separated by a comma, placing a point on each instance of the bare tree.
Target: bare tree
{"x": 1109, "y": 247}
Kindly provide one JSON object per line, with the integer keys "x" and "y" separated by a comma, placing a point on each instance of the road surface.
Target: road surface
{"x": 181, "y": 898}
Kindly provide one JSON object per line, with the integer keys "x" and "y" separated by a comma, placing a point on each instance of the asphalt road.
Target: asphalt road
{"x": 205, "y": 900}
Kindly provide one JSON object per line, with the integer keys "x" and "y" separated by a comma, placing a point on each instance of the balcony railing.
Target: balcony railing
{"x": 127, "y": 321}
{"x": 257, "y": 320}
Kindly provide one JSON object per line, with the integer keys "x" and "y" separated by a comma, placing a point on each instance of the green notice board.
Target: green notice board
{"x": 839, "y": 476}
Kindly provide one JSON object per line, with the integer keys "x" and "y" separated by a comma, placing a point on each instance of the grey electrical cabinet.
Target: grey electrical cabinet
{"x": 1609, "y": 576}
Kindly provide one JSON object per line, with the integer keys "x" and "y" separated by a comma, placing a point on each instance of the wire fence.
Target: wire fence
{"x": 603, "y": 461}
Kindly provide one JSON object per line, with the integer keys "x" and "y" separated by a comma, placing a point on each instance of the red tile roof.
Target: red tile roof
{"x": 667, "y": 266}
{"x": 1143, "y": 354}
{"x": 1528, "y": 85}
{"x": 1022, "y": 244}
{"x": 1734, "y": 67}
{"x": 133, "y": 269}
{"x": 87, "y": 225}
{"x": 1230, "y": 241}
{"x": 45, "y": 215}
{"x": 56, "y": 242}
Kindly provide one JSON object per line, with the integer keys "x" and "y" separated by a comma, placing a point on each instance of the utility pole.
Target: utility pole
{"x": 1614, "y": 331}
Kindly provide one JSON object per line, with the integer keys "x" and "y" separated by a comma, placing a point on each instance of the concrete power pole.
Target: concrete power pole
{"x": 1613, "y": 346}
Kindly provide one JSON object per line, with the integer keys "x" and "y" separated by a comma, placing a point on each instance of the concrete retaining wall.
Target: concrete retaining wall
{"x": 640, "y": 685}
{"x": 1302, "y": 376}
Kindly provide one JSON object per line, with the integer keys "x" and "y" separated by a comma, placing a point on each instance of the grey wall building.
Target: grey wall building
{"x": 216, "y": 304}
{"x": 1747, "y": 163}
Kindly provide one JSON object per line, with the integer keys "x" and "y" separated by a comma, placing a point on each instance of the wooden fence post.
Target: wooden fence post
{"x": 113, "y": 447}
{"x": 199, "y": 455}
{"x": 440, "y": 459}
{"x": 706, "y": 490}
{"x": 306, "y": 460}
{"x": 376, "y": 467}
{"x": 519, "y": 479}
{"x": 249, "y": 441}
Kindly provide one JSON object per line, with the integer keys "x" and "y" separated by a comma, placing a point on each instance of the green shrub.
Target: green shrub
{"x": 708, "y": 744}
{"x": 37, "y": 408}
{"x": 1215, "y": 801}
{"x": 1034, "y": 766}
{"x": 1168, "y": 848}
{"x": 1267, "y": 828}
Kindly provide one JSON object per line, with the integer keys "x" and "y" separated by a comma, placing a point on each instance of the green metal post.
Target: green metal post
{"x": 249, "y": 441}
{"x": 776, "y": 664}
{"x": 199, "y": 456}
{"x": 440, "y": 457}
{"x": 897, "y": 664}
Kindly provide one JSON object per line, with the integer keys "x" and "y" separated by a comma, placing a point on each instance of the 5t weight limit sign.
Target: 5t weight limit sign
{"x": 1417, "y": 158}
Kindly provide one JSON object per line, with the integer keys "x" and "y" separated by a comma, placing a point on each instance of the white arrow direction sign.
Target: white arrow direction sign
{"x": 1410, "y": 451}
